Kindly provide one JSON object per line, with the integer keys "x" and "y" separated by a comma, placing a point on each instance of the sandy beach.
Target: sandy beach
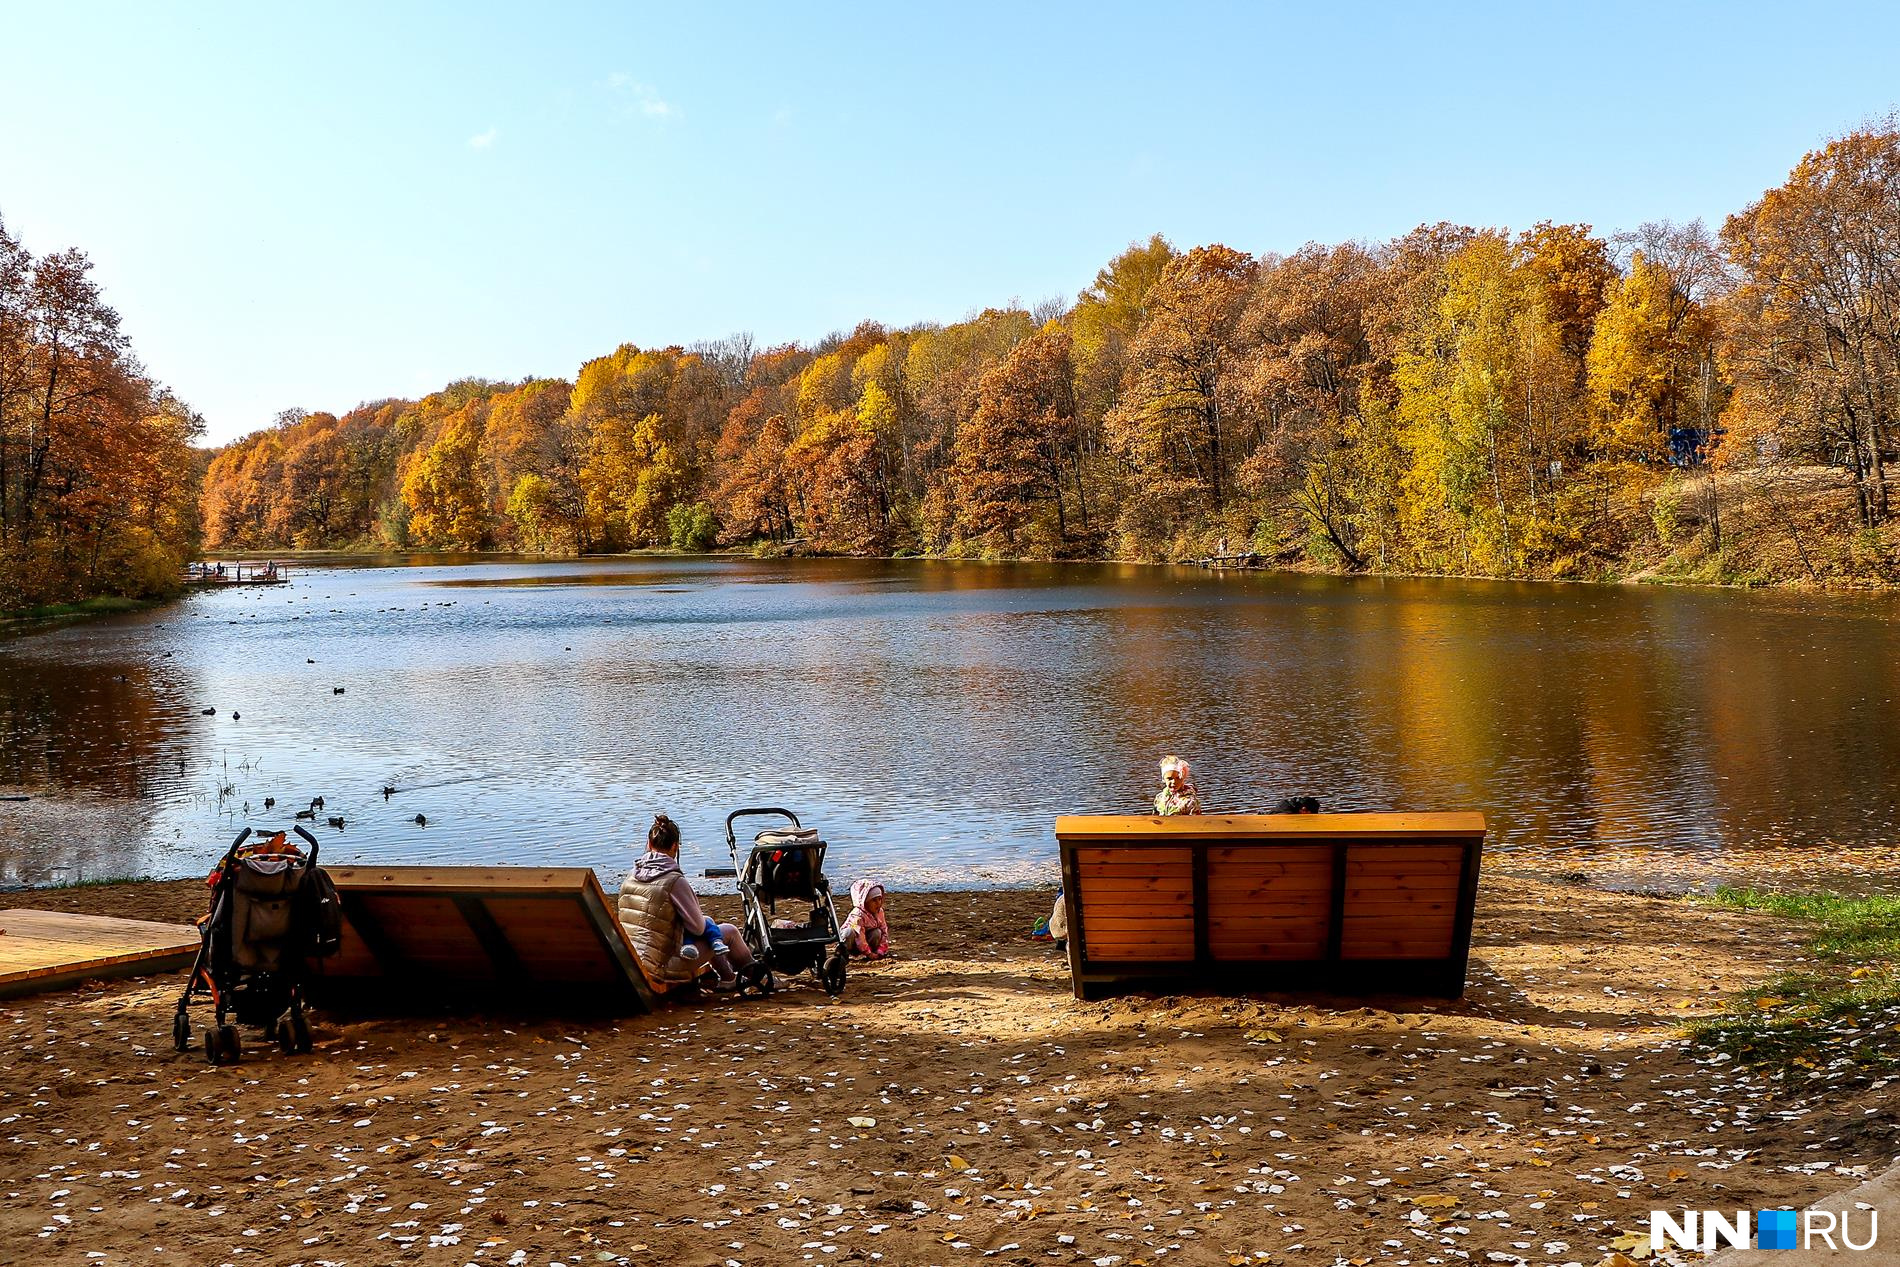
{"x": 956, "y": 1105}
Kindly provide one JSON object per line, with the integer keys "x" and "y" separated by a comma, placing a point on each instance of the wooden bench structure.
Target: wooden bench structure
{"x": 525, "y": 938}
{"x": 1351, "y": 903}
{"x": 48, "y": 950}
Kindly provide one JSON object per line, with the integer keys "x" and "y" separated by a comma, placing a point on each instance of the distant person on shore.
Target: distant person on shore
{"x": 661, "y": 914}
{"x": 1177, "y": 794}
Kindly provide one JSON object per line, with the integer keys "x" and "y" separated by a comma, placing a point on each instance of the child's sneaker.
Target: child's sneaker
{"x": 719, "y": 946}
{"x": 688, "y": 951}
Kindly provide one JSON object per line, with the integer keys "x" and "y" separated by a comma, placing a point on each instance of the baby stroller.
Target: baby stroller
{"x": 273, "y": 913}
{"x": 787, "y": 865}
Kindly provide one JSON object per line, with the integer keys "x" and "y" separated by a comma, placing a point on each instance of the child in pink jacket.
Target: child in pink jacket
{"x": 866, "y": 931}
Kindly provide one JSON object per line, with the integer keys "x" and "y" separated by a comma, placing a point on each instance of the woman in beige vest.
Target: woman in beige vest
{"x": 660, "y": 912}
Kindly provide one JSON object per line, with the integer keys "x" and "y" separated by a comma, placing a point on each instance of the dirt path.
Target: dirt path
{"x": 1537, "y": 1120}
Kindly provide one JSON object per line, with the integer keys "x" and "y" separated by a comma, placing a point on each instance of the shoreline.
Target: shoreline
{"x": 54, "y": 615}
{"x": 1536, "y": 1120}
{"x": 1642, "y": 576}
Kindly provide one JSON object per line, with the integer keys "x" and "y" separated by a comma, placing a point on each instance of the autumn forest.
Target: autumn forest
{"x": 1552, "y": 402}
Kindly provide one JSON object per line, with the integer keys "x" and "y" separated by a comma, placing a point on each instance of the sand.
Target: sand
{"x": 1537, "y": 1120}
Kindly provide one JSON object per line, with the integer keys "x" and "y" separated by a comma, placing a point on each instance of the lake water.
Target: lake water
{"x": 934, "y": 718}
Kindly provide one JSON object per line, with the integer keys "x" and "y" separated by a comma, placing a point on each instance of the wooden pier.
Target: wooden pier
{"x": 1247, "y": 562}
{"x": 215, "y": 574}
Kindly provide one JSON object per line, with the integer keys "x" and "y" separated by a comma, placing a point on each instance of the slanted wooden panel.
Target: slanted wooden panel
{"x": 1345, "y": 902}
{"x": 46, "y": 950}
{"x": 499, "y": 937}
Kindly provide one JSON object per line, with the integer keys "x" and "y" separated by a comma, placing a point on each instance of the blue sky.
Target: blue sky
{"x": 317, "y": 206}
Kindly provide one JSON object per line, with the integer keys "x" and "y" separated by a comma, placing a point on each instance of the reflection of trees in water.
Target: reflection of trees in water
{"x": 99, "y": 727}
{"x": 92, "y": 743}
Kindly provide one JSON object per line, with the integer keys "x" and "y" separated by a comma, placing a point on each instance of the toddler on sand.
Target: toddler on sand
{"x": 866, "y": 931}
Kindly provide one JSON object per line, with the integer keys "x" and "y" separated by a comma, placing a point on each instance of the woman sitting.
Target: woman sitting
{"x": 661, "y": 914}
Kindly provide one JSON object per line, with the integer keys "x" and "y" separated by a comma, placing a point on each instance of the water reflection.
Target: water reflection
{"x": 932, "y": 717}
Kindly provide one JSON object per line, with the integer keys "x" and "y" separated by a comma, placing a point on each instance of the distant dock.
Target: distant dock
{"x": 214, "y": 575}
{"x": 1245, "y": 562}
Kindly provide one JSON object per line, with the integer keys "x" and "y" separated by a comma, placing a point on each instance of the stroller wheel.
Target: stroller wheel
{"x": 292, "y": 1032}
{"x": 766, "y": 983}
{"x": 181, "y": 1031}
{"x": 831, "y": 976}
{"x": 221, "y": 1045}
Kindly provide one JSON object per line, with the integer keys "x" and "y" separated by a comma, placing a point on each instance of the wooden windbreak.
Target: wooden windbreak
{"x": 1270, "y": 902}
{"x": 522, "y": 938}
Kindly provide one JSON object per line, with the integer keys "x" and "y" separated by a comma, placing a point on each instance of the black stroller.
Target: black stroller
{"x": 787, "y": 865}
{"x": 273, "y": 913}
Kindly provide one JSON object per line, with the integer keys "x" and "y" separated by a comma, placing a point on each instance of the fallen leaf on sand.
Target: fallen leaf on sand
{"x": 1263, "y": 1036}
{"x": 957, "y": 1163}
{"x": 1635, "y": 1244}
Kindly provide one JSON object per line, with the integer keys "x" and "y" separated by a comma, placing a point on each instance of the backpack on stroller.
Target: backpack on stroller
{"x": 273, "y": 913}
{"x": 787, "y": 865}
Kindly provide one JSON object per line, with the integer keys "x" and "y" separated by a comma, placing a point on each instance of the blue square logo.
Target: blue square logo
{"x": 1774, "y": 1229}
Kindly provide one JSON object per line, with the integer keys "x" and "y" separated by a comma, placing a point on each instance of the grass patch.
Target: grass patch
{"x": 1840, "y": 1008}
{"x": 107, "y": 605}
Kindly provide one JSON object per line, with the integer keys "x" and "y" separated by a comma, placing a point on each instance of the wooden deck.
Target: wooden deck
{"x": 47, "y": 950}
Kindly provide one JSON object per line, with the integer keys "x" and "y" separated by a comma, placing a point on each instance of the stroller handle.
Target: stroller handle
{"x": 757, "y": 812}
{"x": 312, "y": 842}
{"x": 245, "y": 835}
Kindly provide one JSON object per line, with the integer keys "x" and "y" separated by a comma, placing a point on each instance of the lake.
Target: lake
{"x": 933, "y": 718}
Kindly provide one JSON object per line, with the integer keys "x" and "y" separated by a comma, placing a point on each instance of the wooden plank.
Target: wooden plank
{"x": 1119, "y": 923}
{"x": 1308, "y": 888}
{"x": 1183, "y": 909}
{"x": 1404, "y": 867}
{"x": 1414, "y": 928}
{"x": 1143, "y": 952}
{"x": 1240, "y": 915}
{"x": 1125, "y": 869}
{"x": 1270, "y": 919}
{"x": 1361, "y": 851}
{"x": 398, "y": 880}
{"x": 1261, "y": 865}
{"x": 1270, "y": 952}
{"x": 1420, "y": 909}
{"x": 1097, "y": 891}
{"x": 1268, "y": 933}
{"x": 1144, "y": 829}
{"x": 1382, "y": 887}
{"x": 1272, "y": 854}
{"x": 1109, "y": 883}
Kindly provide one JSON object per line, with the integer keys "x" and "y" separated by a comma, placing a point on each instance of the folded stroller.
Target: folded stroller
{"x": 787, "y": 865}
{"x": 273, "y": 914}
